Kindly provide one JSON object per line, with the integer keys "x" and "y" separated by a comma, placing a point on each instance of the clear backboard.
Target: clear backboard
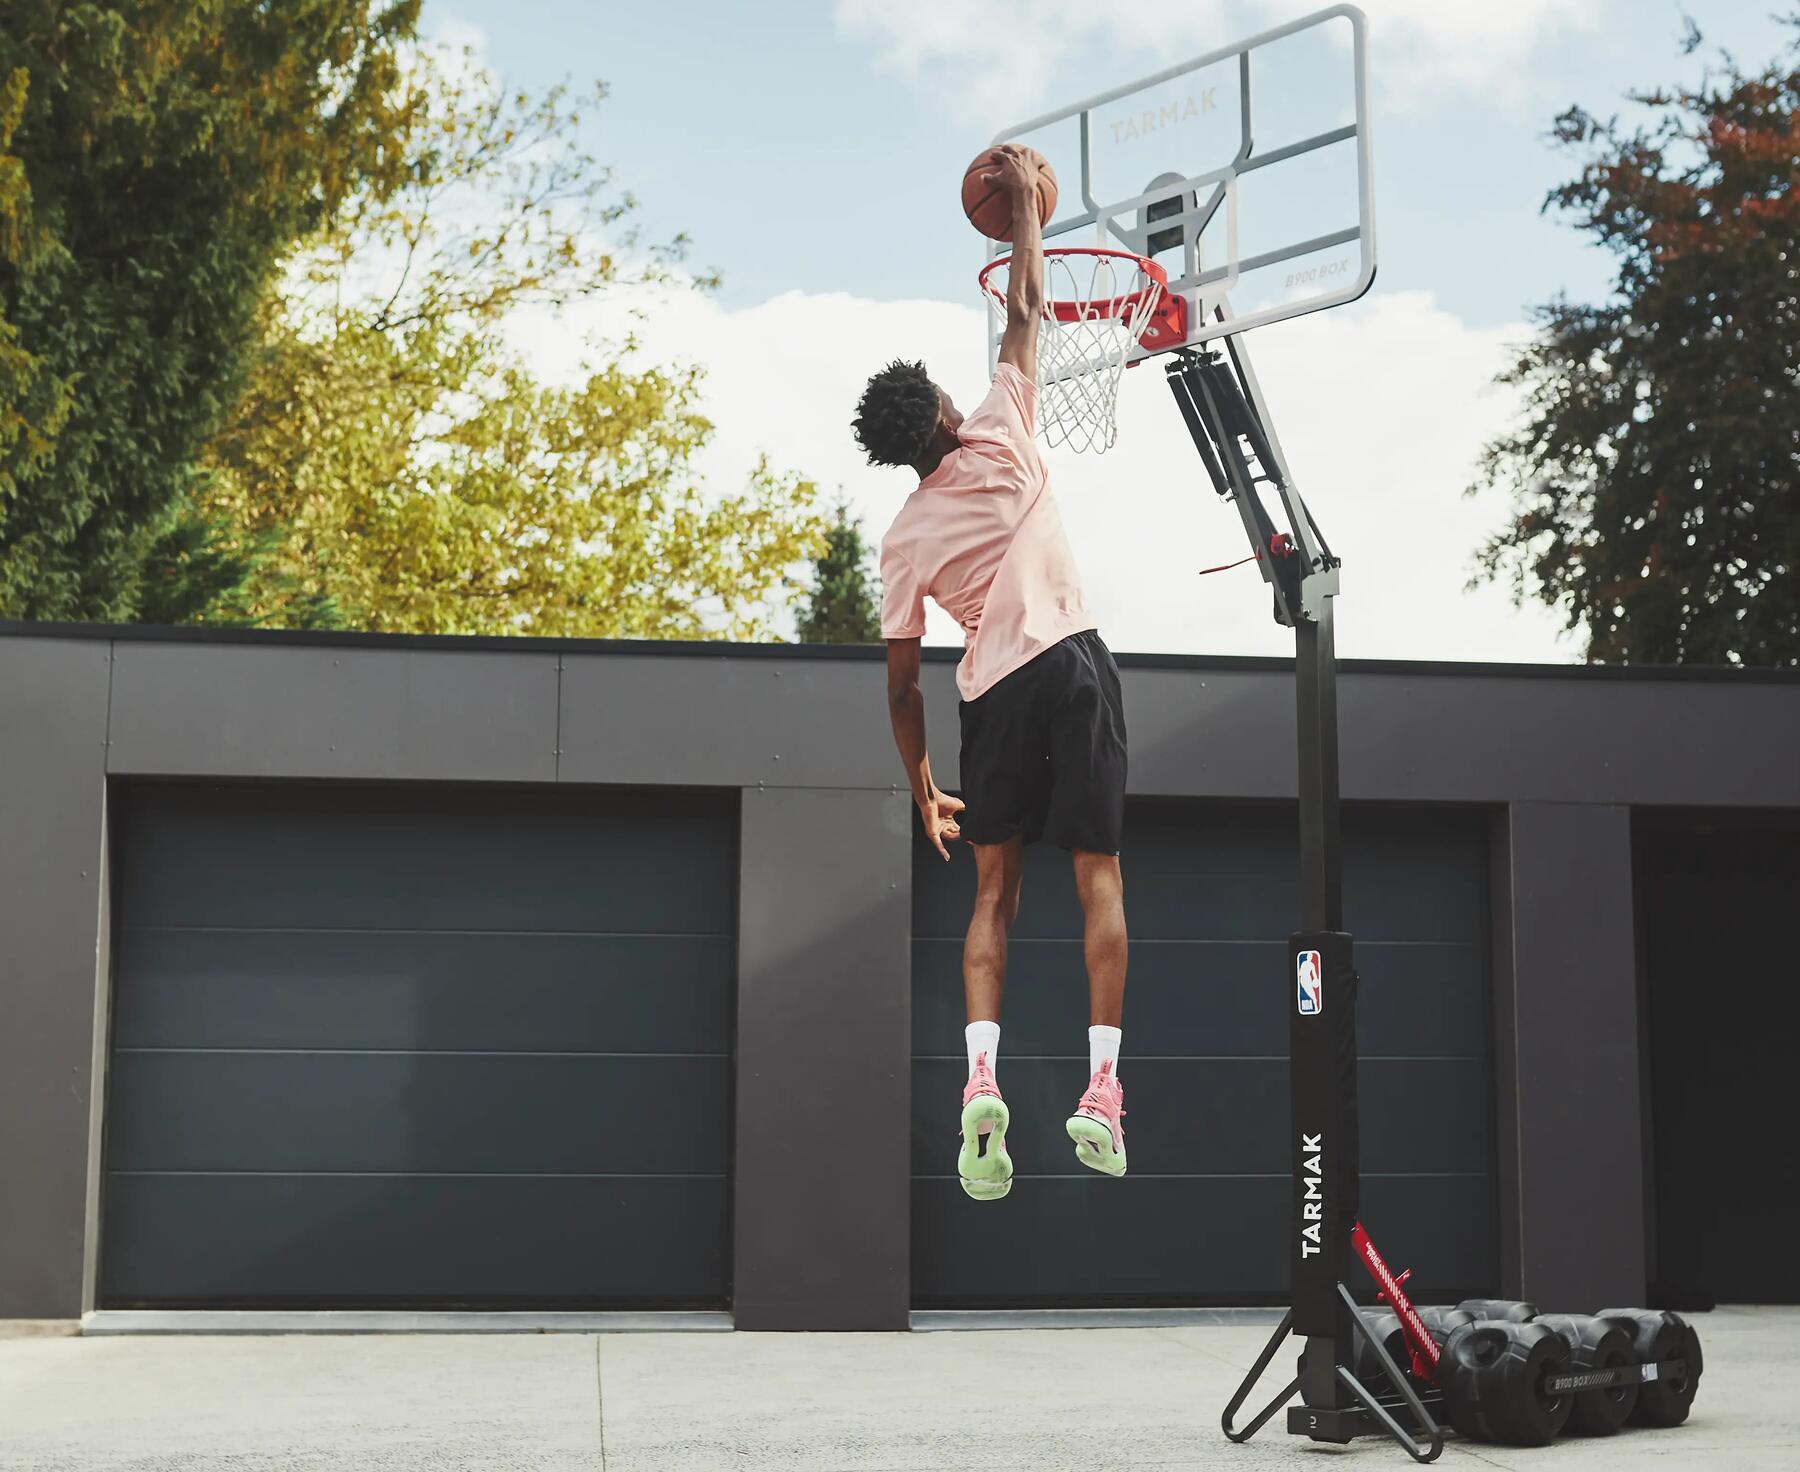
{"x": 1245, "y": 173}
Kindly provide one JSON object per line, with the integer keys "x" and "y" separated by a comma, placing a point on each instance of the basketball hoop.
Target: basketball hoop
{"x": 1099, "y": 305}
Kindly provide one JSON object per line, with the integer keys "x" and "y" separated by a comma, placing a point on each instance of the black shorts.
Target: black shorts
{"x": 1043, "y": 751}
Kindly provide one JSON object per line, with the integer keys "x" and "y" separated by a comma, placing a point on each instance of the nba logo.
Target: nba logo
{"x": 1311, "y": 983}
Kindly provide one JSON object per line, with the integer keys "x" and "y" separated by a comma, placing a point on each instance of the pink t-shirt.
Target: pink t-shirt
{"x": 983, "y": 538}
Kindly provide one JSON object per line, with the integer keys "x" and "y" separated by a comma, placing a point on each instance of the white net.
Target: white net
{"x": 1097, "y": 304}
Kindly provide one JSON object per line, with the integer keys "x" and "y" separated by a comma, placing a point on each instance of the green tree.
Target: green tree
{"x": 397, "y": 465}
{"x": 158, "y": 158}
{"x": 34, "y": 397}
{"x": 1656, "y": 476}
{"x": 842, "y": 607}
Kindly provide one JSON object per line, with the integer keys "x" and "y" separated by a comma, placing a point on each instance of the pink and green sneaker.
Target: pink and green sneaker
{"x": 982, "y": 1163}
{"x": 1094, "y": 1126}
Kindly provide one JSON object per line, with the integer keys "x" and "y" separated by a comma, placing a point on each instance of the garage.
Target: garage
{"x": 1211, "y": 898}
{"x": 357, "y": 971}
{"x": 385, "y": 1046}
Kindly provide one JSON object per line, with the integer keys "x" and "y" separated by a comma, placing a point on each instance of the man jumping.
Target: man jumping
{"x": 1043, "y": 727}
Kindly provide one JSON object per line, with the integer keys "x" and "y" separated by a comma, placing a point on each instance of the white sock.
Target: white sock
{"x": 1103, "y": 1048}
{"x": 982, "y": 1037}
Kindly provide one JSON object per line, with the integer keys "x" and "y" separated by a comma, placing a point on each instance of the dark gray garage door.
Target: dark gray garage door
{"x": 1210, "y": 894}
{"x": 1715, "y": 900}
{"x": 442, "y": 1046}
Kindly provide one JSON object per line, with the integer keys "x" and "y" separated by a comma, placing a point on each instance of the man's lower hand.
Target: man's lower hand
{"x": 938, "y": 813}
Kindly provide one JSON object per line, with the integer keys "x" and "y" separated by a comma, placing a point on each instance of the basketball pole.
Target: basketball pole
{"x": 1222, "y": 405}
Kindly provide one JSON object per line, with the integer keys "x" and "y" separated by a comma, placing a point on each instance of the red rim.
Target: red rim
{"x": 1076, "y": 311}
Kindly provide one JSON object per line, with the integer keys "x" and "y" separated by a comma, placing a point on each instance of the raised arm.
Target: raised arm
{"x": 1017, "y": 173}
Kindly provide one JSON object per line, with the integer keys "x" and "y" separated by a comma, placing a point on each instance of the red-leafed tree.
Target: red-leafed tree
{"x": 1655, "y": 477}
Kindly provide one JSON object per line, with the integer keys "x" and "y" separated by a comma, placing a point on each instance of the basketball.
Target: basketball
{"x": 987, "y": 205}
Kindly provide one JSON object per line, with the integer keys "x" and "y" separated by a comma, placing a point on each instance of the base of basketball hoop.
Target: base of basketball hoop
{"x": 1168, "y": 326}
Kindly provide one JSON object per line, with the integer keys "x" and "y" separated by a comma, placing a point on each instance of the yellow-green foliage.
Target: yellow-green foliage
{"x": 158, "y": 158}
{"x": 396, "y": 466}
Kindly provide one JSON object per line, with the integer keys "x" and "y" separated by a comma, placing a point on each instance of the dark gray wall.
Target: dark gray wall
{"x": 52, "y": 801}
{"x": 812, "y": 728}
{"x": 821, "y": 1061}
{"x": 1464, "y": 734}
{"x": 734, "y": 716}
{"x": 233, "y": 710}
{"x": 1569, "y": 1068}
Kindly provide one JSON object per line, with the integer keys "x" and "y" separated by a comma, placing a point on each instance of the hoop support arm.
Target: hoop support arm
{"x": 1221, "y": 404}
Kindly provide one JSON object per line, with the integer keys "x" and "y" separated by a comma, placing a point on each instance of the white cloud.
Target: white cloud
{"x": 993, "y": 63}
{"x": 990, "y": 62}
{"x": 456, "y": 34}
{"x": 1381, "y": 408}
{"x": 1431, "y": 50}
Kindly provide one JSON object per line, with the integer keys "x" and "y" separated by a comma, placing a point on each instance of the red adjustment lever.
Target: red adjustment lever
{"x": 1399, "y": 1282}
{"x": 1280, "y": 545}
{"x": 1419, "y": 1343}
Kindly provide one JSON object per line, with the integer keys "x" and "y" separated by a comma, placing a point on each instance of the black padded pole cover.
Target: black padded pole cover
{"x": 1322, "y": 1087}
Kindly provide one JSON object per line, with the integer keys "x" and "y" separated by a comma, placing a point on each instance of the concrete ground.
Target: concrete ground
{"x": 999, "y": 1401}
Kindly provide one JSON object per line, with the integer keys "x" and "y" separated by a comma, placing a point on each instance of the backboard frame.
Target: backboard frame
{"x": 1190, "y": 203}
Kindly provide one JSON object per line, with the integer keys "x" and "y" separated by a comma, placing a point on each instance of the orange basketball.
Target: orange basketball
{"x": 988, "y": 206}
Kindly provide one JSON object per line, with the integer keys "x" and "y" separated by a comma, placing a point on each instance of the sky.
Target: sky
{"x": 813, "y": 149}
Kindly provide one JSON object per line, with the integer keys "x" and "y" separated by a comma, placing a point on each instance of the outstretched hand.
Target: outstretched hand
{"x": 1015, "y": 170}
{"x": 938, "y": 813}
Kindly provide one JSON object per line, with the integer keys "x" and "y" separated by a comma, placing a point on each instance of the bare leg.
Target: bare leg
{"x": 1102, "y": 891}
{"x": 998, "y": 871}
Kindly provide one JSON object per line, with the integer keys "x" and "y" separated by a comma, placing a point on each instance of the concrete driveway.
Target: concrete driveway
{"x": 999, "y": 1401}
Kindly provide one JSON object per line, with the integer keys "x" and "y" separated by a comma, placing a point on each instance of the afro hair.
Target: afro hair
{"x": 897, "y": 414}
